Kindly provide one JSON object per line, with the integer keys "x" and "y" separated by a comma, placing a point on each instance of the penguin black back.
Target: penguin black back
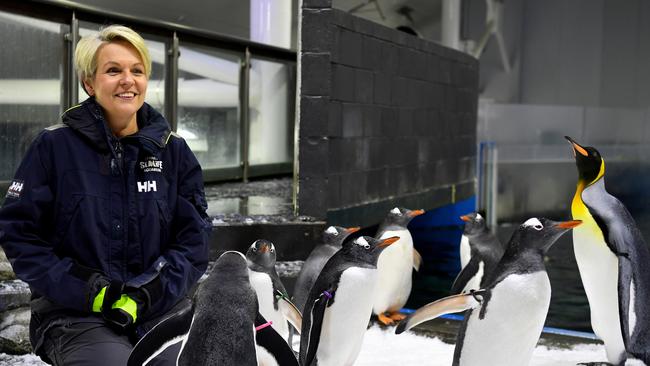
{"x": 225, "y": 312}
{"x": 480, "y": 252}
{"x": 333, "y": 238}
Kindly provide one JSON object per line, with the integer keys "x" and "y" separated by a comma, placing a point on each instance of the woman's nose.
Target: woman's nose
{"x": 127, "y": 78}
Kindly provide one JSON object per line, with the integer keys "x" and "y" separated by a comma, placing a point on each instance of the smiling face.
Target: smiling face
{"x": 119, "y": 85}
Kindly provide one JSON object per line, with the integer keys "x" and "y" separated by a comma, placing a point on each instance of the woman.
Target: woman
{"x": 106, "y": 216}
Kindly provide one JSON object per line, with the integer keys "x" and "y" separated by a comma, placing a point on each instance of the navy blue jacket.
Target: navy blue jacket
{"x": 85, "y": 208}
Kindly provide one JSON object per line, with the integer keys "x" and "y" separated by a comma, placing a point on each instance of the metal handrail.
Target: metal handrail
{"x": 62, "y": 10}
{"x": 69, "y": 12}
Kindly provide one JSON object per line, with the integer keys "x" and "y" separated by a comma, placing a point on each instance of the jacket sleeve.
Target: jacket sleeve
{"x": 26, "y": 221}
{"x": 185, "y": 258}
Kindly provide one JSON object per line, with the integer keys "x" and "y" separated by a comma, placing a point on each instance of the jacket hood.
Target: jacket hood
{"x": 88, "y": 120}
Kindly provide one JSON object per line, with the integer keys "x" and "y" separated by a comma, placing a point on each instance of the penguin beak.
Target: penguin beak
{"x": 416, "y": 213}
{"x": 568, "y": 224}
{"x": 264, "y": 248}
{"x": 576, "y": 147}
{"x": 465, "y": 218}
{"x": 351, "y": 230}
{"x": 388, "y": 241}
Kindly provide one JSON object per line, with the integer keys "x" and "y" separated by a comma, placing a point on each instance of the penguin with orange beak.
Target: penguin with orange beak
{"x": 339, "y": 305}
{"x": 480, "y": 251}
{"x": 505, "y": 318}
{"x": 612, "y": 259}
{"x": 272, "y": 297}
{"x": 395, "y": 265}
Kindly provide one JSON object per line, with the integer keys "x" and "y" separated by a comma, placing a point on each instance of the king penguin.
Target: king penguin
{"x": 219, "y": 329}
{"x": 333, "y": 238}
{"x": 480, "y": 251}
{"x": 506, "y": 317}
{"x": 272, "y": 297}
{"x": 339, "y": 305}
{"x": 394, "y": 265}
{"x": 612, "y": 258}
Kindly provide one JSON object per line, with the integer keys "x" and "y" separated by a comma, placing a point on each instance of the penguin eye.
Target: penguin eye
{"x": 272, "y": 250}
{"x": 255, "y": 249}
{"x": 367, "y": 246}
{"x": 538, "y": 227}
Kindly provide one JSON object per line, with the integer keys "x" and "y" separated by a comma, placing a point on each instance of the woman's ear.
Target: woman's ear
{"x": 88, "y": 87}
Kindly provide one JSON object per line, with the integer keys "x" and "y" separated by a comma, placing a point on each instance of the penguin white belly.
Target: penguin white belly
{"x": 598, "y": 268}
{"x": 465, "y": 251}
{"x": 474, "y": 283}
{"x": 263, "y": 286}
{"x": 346, "y": 321}
{"x": 513, "y": 322}
{"x": 264, "y": 358}
{"x": 394, "y": 268}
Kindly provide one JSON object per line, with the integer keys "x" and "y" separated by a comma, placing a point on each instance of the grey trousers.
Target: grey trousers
{"x": 92, "y": 342}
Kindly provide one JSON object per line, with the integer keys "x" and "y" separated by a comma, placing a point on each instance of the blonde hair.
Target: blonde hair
{"x": 85, "y": 55}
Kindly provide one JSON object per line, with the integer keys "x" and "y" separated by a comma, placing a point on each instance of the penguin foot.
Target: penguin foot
{"x": 396, "y": 316}
{"x": 385, "y": 320}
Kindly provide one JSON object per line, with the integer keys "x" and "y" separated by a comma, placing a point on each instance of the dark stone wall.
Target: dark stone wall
{"x": 386, "y": 119}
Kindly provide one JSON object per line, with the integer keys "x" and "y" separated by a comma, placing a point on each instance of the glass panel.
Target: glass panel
{"x": 271, "y": 112}
{"x": 208, "y": 105}
{"x": 30, "y": 84}
{"x": 156, "y": 87}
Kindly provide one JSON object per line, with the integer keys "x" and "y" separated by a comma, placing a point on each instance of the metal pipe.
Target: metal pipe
{"x": 244, "y": 121}
{"x": 451, "y": 19}
{"x": 171, "y": 82}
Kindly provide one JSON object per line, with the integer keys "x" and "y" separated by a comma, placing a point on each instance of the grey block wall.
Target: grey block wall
{"x": 385, "y": 119}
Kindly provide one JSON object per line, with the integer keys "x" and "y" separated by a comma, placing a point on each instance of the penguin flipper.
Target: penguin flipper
{"x": 317, "y": 315}
{"x": 464, "y": 276}
{"x": 170, "y": 331}
{"x": 290, "y": 312}
{"x": 417, "y": 260}
{"x": 273, "y": 343}
{"x": 451, "y": 304}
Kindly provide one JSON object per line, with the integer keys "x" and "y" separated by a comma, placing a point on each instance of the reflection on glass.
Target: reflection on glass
{"x": 208, "y": 105}
{"x": 30, "y": 84}
{"x": 270, "y": 112}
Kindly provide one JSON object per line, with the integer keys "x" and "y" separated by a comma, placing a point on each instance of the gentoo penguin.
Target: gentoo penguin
{"x": 220, "y": 327}
{"x": 340, "y": 304}
{"x": 272, "y": 297}
{"x": 480, "y": 251}
{"x": 612, "y": 258}
{"x": 506, "y": 317}
{"x": 333, "y": 238}
{"x": 395, "y": 265}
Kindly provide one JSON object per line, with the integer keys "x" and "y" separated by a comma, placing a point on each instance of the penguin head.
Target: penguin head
{"x": 367, "y": 249}
{"x": 335, "y": 235}
{"x": 540, "y": 233}
{"x": 401, "y": 216}
{"x": 261, "y": 253}
{"x": 591, "y": 165}
{"x": 474, "y": 223}
{"x": 231, "y": 262}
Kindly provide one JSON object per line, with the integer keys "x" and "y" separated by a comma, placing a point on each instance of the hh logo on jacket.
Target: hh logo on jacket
{"x": 147, "y": 186}
{"x": 15, "y": 189}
